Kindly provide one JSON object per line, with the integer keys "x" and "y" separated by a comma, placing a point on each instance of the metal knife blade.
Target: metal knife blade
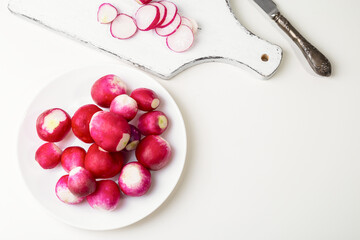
{"x": 318, "y": 62}
{"x": 268, "y": 6}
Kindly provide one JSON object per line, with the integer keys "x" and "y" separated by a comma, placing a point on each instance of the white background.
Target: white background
{"x": 274, "y": 159}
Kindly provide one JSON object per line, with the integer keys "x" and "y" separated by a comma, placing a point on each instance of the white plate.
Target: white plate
{"x": 69, "y": 92}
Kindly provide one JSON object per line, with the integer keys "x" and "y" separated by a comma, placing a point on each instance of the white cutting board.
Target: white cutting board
{"x": 220, "y": 37}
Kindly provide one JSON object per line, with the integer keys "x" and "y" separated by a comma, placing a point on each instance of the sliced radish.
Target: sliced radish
{"x": 190, "y": 23}
{"x": 162, "y": 12}
{"x": 169, "y": 29}
{"x": 123, "y": 27}
{"x": 143, "y": 1}
{"x": 171, "y": 11}
{"x": 181, "y": 40}
{"x": 147, "y": 17}
{"x": 106, "y": 13}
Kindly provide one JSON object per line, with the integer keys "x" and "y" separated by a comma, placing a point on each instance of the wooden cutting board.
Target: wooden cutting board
{"x": 220, "y": 37}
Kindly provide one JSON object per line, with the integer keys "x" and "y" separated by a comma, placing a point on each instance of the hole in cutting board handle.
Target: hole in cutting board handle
{"x": 264, "y": 57}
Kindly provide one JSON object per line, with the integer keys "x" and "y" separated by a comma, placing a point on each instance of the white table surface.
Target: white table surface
{"x": 267, "y": 159}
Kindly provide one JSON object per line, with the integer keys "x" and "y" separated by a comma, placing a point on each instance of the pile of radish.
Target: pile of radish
{"x": 162, "y": 17}
{"x": 101, "y": 172}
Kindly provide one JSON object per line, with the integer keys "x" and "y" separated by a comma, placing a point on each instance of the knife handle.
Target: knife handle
{"x": 318, "y": 62}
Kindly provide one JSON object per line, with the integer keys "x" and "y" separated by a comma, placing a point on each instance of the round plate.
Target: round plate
{"x": 69, "y": 92}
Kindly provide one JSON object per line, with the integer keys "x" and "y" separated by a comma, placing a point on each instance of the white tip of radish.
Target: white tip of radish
{"x": 171, "y": 28}
{"x": 106, "y": 13}
{"x": 123, "y": 141}
{"x": 147, "y": 17}
{"x": 155, "y": 103}
{"x": 123, "y": 27}
{"x": 101, "y": 149}
{"x": 181, "y": 40}
{"x": 132, "y": 146}
{"x": 163, "y": 122}
{"x": 52, "y": 120}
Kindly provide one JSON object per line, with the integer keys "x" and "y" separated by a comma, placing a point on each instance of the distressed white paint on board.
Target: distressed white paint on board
{"x": 220, "y": 37}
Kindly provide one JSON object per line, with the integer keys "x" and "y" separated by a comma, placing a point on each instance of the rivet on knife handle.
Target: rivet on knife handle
{"x": 318, "y": 62}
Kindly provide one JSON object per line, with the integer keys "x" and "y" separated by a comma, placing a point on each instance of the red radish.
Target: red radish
{"x": 63, "y": 193}
{"x": 80, "y": 122}
{"x": 134, "y": 179}
{"x": 123, "y": 27}
{"x": 171, "y": 11}
{"x": 191, "y": 23}
{"x": 146, "y": 99}
{"x": 181, "y": 40}
{"x": 52, "y": 125}
{"x": 169, "y": 29}
{"x": 143, "y": 1}
{"x": 81, "y": 183}
{"x": 147, "y": 17}
{"x": 135, "y": 137}
{"x": 106, "y": 196}
{"x": 106, "y": 13}
{"x": 106, "y": 88}
{"x": 48, "y": 155}
{"x": 72, "y": 157}
{"x": 153, "y": 123}
{"x": 110, "y": 131}
{"x": 103, "y": 164}
{"x": 125, "y": 106}
{"x": 153, "y": 152}
{"x": 162, "y": 12}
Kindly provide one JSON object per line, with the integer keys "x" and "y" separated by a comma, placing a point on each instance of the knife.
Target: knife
{"x": 318, "y": 62}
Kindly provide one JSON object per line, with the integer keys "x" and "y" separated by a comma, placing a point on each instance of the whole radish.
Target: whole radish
{"x": 146, "y": 99}
{"x": 134, "y": 179}
{"x": 125, "y": 106}
{"x": 48, "y": 155}
{"x": 80, "y": 182}
{"x": 80, "y": 122}
{"x": 53, "y": 125}
{"x": 63, "y": 193}
{"x": 153, "y": 152}
{"x": 110, "y": 131}
{"x": 106, "y": 88}
{"x": 103, "y": 164}
{"x": 153, "y": 123}
{"x": 106, "y": 196}
{"x": 73, "y": 157}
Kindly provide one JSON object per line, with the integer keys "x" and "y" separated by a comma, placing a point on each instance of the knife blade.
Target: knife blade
{"x": 318, "y": 62}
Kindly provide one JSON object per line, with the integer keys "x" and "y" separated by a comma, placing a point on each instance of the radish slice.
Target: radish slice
{"x": 190, "y": 23}
{"x": 142, "y": 2}
{"x": 171, "y": 11}
{"x": 106, "y": 13}
{"x": 169, "y": 29}
{"x": 147, "y": 17}
{"x": 123, "y": 27}
{"x": 181, "y": 40}
{"x": 162, "y": 12}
